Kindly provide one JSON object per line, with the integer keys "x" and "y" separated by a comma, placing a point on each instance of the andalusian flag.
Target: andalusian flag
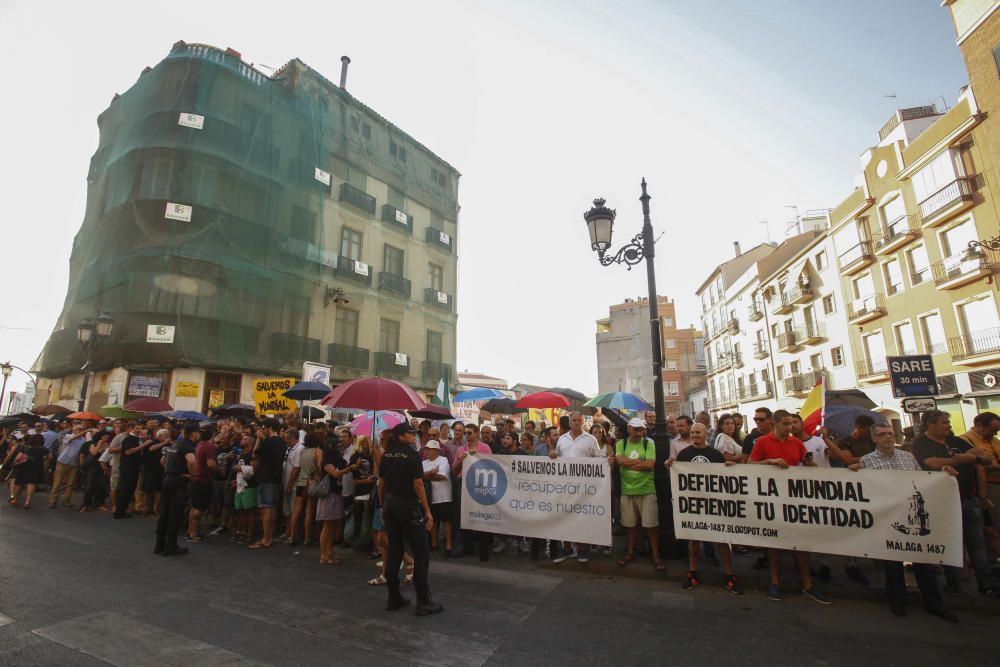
{"x": 812, "y": 409}
{"x": 442, "y": 396}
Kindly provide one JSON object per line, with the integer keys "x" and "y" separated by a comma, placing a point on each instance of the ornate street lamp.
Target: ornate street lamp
{"x": 85, "y": 333}
{"x": 6, "y": 368}
{"x": 600, "y": 223}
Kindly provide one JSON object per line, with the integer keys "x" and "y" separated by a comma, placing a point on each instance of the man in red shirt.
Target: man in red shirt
{"x": 782, "y": 449}
{"x": 205, "y": 470}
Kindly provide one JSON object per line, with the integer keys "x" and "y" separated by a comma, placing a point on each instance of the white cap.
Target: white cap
{"x": 433, "y": 444}
{"x": 635, "y": 422}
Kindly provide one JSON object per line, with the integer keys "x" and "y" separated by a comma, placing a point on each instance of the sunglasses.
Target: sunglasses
{"x": 761, "y": 419}
{"x": 469, "y": 432}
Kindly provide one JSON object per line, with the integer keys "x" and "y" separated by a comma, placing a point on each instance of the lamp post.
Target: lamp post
{"x": 91, "y": 334}
{"x": 600, "y": 222}
{"x": 6, "y": 369}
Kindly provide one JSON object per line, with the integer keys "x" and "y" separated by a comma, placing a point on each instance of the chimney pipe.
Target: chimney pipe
{"x": 736, "y": 245}
{"x": 344, "y": 62}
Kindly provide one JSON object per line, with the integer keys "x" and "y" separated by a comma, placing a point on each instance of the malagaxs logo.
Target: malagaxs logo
{"x": 486, "y": 481}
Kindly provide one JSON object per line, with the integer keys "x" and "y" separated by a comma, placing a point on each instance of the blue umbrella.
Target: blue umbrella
{"x": 185, "y": 415}
{"x": 478, "y": 394}
{"x": 620, "y": 400}
{"x": 307, "y": 391}
{"x": 840, "y": 418}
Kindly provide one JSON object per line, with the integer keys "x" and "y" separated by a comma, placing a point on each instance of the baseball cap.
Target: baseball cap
{"x": 403, "y": 428}
{"x": 635, "y": 422}
{"x": 433, "y": 444}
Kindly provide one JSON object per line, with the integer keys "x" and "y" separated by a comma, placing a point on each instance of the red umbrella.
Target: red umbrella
{"x": 85, "y": 416}
{"x": 543, "y": 399}
{"x": 374, "y": 394}
{"x": 148, "y": 405}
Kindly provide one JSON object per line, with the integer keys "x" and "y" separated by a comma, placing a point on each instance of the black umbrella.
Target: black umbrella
{"x": 430, "y": 411}
{"x": 26, "y": 417}
{"x": 572, "y": 394}
{"x": 502, "y": 406}
{"x": 235, "y": 410}
{"x": 309, "y": 412}
{"x": 849, "y": 397}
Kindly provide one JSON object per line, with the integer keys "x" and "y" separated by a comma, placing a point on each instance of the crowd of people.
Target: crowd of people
{"x": 264, "y": 482}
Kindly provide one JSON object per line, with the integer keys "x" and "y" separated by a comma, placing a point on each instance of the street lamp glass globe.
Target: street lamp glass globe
{"x": 85, "y": 331}
{"x": 7, "y": 369}
{"x": 600, "y": 221}
{"x": 104, "y": 324}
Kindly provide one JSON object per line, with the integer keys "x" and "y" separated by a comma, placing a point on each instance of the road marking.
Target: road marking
{"x": 673, "y": 600}
{"x": 515, "y": 579}
{"x": 396, "y": 639}
{"x": 119, "y": 640}
{"x": 56, "y": 534}
{"x": 5, "y": 620}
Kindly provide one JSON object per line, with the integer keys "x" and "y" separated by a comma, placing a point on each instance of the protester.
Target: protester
{"x": 152, "y": 470}
{"x": 29, "y": 472}
{"x": 982, "y": 436}
{"x": 472, "y": 540}
{"x": 94, "y": 479}
{"x": 763, "y": 424}
{"x": 438, "y": 473}
{"x": 683, "y": 438}
{"x": 67, "y": 466}
{"x": 206, "y": 469}
{"x": 269, "y": 455}
{"x": 636, "y": 459}
{"x": 576, "y": 444}
{"x": 726, "y": 438}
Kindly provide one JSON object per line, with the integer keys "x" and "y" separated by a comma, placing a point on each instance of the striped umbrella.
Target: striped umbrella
{"x": 619, "y": 400}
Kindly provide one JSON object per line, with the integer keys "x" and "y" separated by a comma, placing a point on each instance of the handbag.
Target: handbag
{"x": 319, "y": 488}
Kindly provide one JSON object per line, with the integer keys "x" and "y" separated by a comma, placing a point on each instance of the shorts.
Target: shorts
{"x": 441, "y": 512}
{"x": 201, "y": 495}
{"x": 268, "y": 494}
{"x": 246, "y": 499}
{"x": 640, "y": 508}
{"x": 116, "y": 478}
{"x": 377, "y": 519}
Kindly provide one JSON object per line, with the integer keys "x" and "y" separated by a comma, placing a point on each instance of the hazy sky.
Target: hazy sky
{"x": 731, "y": 110}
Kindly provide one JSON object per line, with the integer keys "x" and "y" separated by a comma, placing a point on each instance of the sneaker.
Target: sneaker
{"x": 560, "y": 557}
{"x": 581, "y": 556}
{"x": 774, "y": 592}
{"x": 690, "y": 580}
{"x": 731, "y": 585}
{"x": 816, "y": 595}
{"x": 218, "y": 531}
{"x": 856, "y": 575}
{"x": 197, "y": 539}
{"x": 499, "y": 546}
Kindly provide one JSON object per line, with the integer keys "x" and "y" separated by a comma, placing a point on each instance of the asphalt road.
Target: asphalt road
{"x": 82, "y": 589}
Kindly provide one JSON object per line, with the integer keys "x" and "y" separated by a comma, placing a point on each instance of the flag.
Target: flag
{"x": 442, "y": 396}
{"x": 812, "y": 409}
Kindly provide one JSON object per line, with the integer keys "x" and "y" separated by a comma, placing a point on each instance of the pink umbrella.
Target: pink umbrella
{"x": 372, "y": 423}
{"x": 374, "y": 394}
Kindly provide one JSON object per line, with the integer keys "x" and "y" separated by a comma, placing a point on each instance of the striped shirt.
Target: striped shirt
{"x": 900, "y": 460}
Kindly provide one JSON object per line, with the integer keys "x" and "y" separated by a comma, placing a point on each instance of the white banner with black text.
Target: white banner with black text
{"x": 886, "y": 514}
{"x": 535, "y": 496}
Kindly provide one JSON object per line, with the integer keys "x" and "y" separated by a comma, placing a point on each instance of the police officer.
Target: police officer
{"x": 405, "y": 515}
{"x": 178, "y": 465}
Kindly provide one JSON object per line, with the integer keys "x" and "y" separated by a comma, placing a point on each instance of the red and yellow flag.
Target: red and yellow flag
{"x": 812, "y": 409}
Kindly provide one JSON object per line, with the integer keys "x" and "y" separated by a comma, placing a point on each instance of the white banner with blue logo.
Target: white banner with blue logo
{"x": 534, "y": 496}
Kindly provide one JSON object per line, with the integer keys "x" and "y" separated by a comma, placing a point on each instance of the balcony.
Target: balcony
{"x": 347, "y": 356}
{"x": 287, "y": 347}
{"x": 802, "y": 384}
{"x": 433, "y": 297}
{"x": 439, "y": 239}
{"x": 760, "y": 350}
{"x": 720, "y": 403}
{"x": 866, "y": 309}
{"x": 394, "y": 283}
{"x": 872, "y": 370}
{"x": 895, "y": 235}
{"x": 813, "y": 333}
{"x": 357, "y": 198}
{"x": 353, "y": 269}
{"x": 946, "y": 202}
{"x": 435, "y": 370}
{"x": 856, "y": 258}
{"x": 789, "y": 341}
{"x": 755, "y": 391}
{"x": 976, "y": 347}
{"x": 398, "y": 220}
{"x": 392, "y": 363}
{"x": 755, "y": 312}
{"x": 967, "y": 267}
{"x": 781, "y": 304}
{"x": 733, "y": 326}
{"x": 801, "y": 294}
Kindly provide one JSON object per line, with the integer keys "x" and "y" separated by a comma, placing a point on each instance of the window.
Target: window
{"x": 979, "y": 323}
{"x": 668, "y": 321}
{"x": 794, "y": 368}
{"x": 393, "y": 260}
{"x": 774, "y": 330}
{"x": 434, "y": 346}
{"x": 829, "y": 304}
{"x": 893, "y": 275}
{"x": 396, "y": 199}
{"x": 846, "y": 238}
{"x": 875, "y": 352}
{"x": 388, "y": 336}
{"x": 816, "y": 362}
{"x": 303, "y": 224}
{"x": 821, "y": 260}
{"x": 397, "y": 151}
{"x": 837, "y": 357}
{"x": 764, "y": 375}
{"x": 670, "y": 343}
{"x": 906, "y": 342}
{"x": 919, "y": 266}
{"x": 671, "y": 365}
{"x": 673, "y": 388}
{"x": 779, "y": 372}
{"x": 350, "y": 244}
{"x": 941, "y": 171}
{"x": 892, "y": 211}
{"x": 933, "y": 332}
{"x": 863, "y": 286}
{"x": 366, "y": 131}
{"x": 956, "y": 240}
{"x": 346, "y": 332}
{"x": 809, "y": 317}
{"x": 295, "y": 315}
{"x": 435, "y": 277}
{"x": 439, "y": 178}
{"x": 357, "y": 178}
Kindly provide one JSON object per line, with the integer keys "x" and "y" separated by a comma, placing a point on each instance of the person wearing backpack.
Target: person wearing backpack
{"x": 636, "y": 458}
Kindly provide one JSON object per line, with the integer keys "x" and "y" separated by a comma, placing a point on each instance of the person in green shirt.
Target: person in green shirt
{"x": 636, "y": 458}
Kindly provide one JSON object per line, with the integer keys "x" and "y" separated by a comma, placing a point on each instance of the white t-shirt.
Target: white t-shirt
{"x": 440, "y": 488}
{"x": 727, "y": 445}
{"x": 577, "y": 448}
{"x": 677, "y": 446}
{"x": 291, "y": 461}
{"x": 817, "y": 447}
{"x": 347, "y": 481}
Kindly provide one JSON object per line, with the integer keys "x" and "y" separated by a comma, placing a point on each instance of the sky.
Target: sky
{"x": 731, "y": 110}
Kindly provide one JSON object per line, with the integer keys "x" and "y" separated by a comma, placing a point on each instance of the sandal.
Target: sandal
{"x": 659, "y": 565}
{"x": 626, "y": 559}
{"x": 378, "y": 581}
{"x": 260, "y": 545}
{"x": 409, "y": 574}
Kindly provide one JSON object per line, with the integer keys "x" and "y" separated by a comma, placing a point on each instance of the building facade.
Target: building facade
{"x": 264, "y": 222}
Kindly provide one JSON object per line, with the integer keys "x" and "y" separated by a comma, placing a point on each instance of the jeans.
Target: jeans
{"x": 173, "y": 502}
{"x": 63, "y": 481}
{"x": 926, "y": 575}
{"x": 975, "y": 544}
{"x": 94, "y": 485}
{"x": 404, "y": 521}
{"x": 126, "y": 490}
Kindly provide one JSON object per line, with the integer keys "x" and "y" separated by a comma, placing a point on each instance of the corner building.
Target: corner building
{"x": 232, "y": 206}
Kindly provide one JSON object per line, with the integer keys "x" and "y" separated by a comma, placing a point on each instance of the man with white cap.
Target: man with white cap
{"x": 438, "y": 473}
{"x": 636, "y": 458}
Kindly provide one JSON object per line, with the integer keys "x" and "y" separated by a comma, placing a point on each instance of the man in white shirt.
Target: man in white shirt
{"x": 290, "y": 477}
{"x": 574, "y": 444}
{"x": 437, "y": 471}
{"x": 683, "y": 439}
{"x": 816, "y": 452}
